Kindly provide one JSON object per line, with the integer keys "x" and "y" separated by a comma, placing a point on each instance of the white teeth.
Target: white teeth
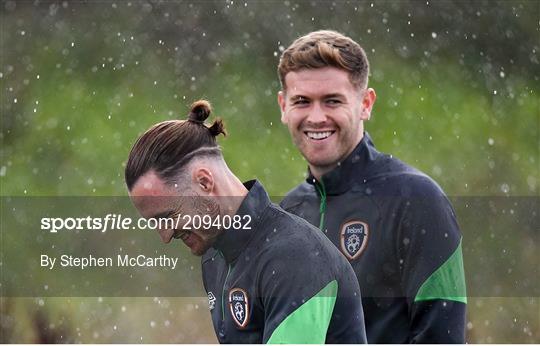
{"x": 319, "y": 135}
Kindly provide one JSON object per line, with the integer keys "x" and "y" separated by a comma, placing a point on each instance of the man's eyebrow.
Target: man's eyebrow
{"x": 328, "y": 96}
{"x": 333, "y": 95}
{"x": 298, "y": 97}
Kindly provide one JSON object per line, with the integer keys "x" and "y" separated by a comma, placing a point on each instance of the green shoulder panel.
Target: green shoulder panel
{"x": 309, "y": 323}
{"x": 447, "y": 282}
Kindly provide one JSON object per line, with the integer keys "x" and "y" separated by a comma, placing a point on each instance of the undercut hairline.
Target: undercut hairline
{"x": 182, "y": 165}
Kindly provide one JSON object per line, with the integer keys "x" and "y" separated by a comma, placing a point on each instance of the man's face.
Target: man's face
{"x": 324, "y": 112}
{"x": 155, "y": 199}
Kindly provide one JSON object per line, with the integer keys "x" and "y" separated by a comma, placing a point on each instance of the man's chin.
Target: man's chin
{"x": 317, "y": 157}
{"x": 199, "y": 250}
{"x": 198, "y": 245}
{"x": 322, "y": 163}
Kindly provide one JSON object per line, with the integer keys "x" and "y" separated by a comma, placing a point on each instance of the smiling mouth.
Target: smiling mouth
{"x": 319, "y": 135}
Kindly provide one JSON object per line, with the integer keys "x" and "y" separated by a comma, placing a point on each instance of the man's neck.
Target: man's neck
{"x": 318, "y": 171}
{"x": 232, "y": 195}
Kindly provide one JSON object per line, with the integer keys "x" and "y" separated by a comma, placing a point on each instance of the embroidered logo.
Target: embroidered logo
{"x": 211, "y": 301}
{"x": 354, "y": 238}
{"x": 239, "y": 306}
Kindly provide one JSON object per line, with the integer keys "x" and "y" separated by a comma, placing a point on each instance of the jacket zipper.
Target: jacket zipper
{"x": 322, "y": 207}
{"x": 223, "y": 294}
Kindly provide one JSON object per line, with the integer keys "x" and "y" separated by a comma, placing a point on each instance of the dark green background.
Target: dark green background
{"x": 457, "y": 85}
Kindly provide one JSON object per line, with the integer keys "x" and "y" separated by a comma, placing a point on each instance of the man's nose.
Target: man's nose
{"x": 316, "y": 114}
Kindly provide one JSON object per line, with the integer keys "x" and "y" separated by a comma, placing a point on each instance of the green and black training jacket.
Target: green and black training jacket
{"x": 398, "y": 230}
{"x": 282, "y": 281}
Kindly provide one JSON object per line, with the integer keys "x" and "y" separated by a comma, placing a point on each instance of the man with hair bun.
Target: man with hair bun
{"x": 392, "y": 222}
{"x": 262, "y": 286}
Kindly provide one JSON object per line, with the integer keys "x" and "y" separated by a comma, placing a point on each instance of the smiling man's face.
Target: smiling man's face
{"x": 155, "y": 199}
{"x": 324, "y": 112}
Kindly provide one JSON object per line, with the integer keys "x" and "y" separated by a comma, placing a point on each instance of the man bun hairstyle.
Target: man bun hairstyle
{"x": 169, "y": 145}
{"x": 200, "y": 111}
{"x": 325, "y": 48}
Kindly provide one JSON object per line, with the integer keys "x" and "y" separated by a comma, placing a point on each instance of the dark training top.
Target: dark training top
{"x": 280, "y": 282}
{"x": 398, "y": 230}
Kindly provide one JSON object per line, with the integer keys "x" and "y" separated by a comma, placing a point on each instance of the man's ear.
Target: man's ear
{"x": 281, "y": 101}
{"x": 368, "y": 100}
{"x": 203, "y": 179}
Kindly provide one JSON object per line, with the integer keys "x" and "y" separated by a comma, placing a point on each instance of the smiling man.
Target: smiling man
{"x": 262, "y": 287}
{"x": 393, "y": 223}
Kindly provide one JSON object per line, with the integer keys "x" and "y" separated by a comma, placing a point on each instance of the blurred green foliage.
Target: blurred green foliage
{"x": 457, "y": 87}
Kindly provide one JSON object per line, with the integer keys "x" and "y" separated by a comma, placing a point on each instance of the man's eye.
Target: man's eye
{"x": 333, "y": 101}
{"x": 300, "y": 102}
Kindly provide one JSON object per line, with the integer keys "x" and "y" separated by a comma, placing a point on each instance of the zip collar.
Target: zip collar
{"x": 356, "y": 166}
{"x": 233, "y": 241}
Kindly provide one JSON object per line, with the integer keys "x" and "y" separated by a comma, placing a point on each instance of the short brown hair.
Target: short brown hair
{"x": 325, "y": 48}
{"x": 168, "y": 146}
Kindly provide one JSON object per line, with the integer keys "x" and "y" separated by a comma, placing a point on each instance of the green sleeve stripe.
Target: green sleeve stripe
{"x": 447, "y": 282}
{"x": 309, "y": 322}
